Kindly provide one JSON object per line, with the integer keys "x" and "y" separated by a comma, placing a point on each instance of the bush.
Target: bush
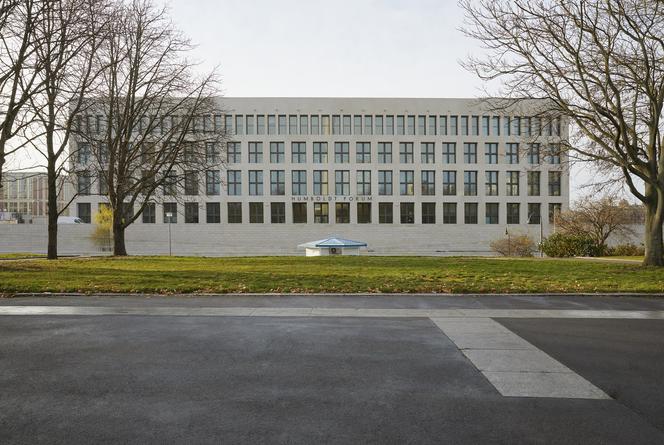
{"x": 562, "y": 245}
{"x": 626, "y": 250}
{"x": 517, "y": 245}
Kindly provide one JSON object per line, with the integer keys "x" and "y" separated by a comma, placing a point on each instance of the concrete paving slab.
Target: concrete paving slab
{"x": 465, "y": 325}
{"x": 513, "y": 361}
{"x": 500, "y": 341}
{"x": 544, "y": 384}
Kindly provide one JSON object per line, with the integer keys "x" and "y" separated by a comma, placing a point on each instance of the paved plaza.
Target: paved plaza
{"x": 332, "y": 369}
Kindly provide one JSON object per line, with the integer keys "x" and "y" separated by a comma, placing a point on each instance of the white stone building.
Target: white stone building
{"x": 408, "y": 176}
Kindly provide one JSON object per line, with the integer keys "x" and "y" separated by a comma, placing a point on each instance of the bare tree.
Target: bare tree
{"x": 597, "y": 218}
{"x": 161, "y": 122}
{"x": 18, "y": 71}
{"x": 69, "y": 33}
{"x": 598, "y": 63}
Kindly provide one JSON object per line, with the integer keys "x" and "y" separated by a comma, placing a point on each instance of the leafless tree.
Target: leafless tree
{"x": 598, "y": 63}
{"x": 159, "y": 119}
{"x": 18, "y": 72}
{"x": 69, "y": 34}
{"x": 597, "y": 218}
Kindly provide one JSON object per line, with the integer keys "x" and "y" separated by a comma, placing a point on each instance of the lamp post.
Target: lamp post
{"x": 509, "y": 242}
{"x": 541, "y": 234}
{"x": 169, "y": 215}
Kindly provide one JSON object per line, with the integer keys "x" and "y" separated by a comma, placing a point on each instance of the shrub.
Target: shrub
{"x": 563, "y": 245}
{"x": 626, "y": 250}
{"x": 517, "y": 245}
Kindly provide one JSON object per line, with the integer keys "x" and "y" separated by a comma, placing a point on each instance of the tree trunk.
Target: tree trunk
{"x": 52, "y": 252}
{"x": 653, "y": 234}
{"x": 119, "y": 248}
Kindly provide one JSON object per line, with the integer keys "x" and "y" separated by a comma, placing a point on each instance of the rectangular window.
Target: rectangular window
{"x": 149, "y": 214}
{"x": 428, "y": 152}
{"x": 212, "y": 212}
{"x": 385, "y": 213}
{"x": 491, "y": 183}
{"x": 516, "y": 126}
{"x": 534, "y": 183}
{"x": 449, "y": 152}
{"x": 470, "y": 183}
{"x": 410, "y": 123}
{"x": 364, "y": 213}
{"x": 277, "y": 152}
{"x": 342, "y": 182}
{"x": 255, "y": 182}
{"x": 491, "y": 213}
{"x": 321, "y": 212}
{"x": 553, "y": 154}
{"x": 320, "y": 152}
{"x": 534, "y": 213}
{"x": 389, "y": 125}
{"x": 278, "y": 212}
{"x": 428, "y": 179}
{"x": 292, "y": 124}
{"x": 506, "y": 126}
{"x": 364, "y": 182}
{"x": 512, "y": 183}
{"x": 512, "y": 153}
{"x": 485, "y": 126}
{"x": 84, "y": 210}
{"x": 299, "y": 212}
{"x": 250, "y": 124}
{"x": 298, "y": 152}
{"x": 277, "y": 182}
{"x": 83, "y": 153}
{"x": 495, "y": 129}
{"x": 406, "y": 152}
{"x": 513, "y": 210}
{"x": 346, "y": 123}
{"x": 342, "y": 212}
{"x": 554, "y": 212}
{"x": 449, "y": 213}
{"x": 470, "y": 153}
{"x": 470, "y": 213}
{"x": 491, "y": 153}
{"x": 239, "y": 128}
{"x": 379, "y": 125}
{"x": 341, "y": 152}
{"x": 169, "y": 184}
{"x": 321, "y": 182}
{"x": 271, "y": 124}
{"x": 554, "y": 183}
{"x": 401, "y": 125}
{"x": 421, "y": 125}
{"x": 234, "y": 212}
{"x": 357, "y": 124}
{"x": 336, "y": 124}
{"x": 464, "y": 125}
{"x": 385, "y": 182}
{"x": 363, "y": 152}
{"x": 368, "y": 124}
{"x": 256, "y": 213}
{"x": 255, "y": 152}
{"x": 212, "y": 152}
{"x": 475, "y": 125}
{"x": 234, "y": 182}
{"x": 260, "y": 124}
{"x": 442, "y": 125}
{"x": 212, "y": 182}
{"x": 299, "y": 182}
{"x": 170, "y": 208}
{"x": 407, "y": 210}
{"x": 385, "y": 152}
{"x": 315, "y": 125}
{"x": 304, "y": 124}
{"x": 534, "y": 153}
{"x": 432, "y": 125}
{"x": 191, "y": 183}
{"x": 325, "y": 125}
{"x": 428, "y": 213}
{"x": 191, "y": 213}
{"x": 102, "y": 179}
{"x": 228, "y": 124}
{"x": 406, "y": 182}
{"x": 449, "y": 183}
{"x": 84, "y": 183}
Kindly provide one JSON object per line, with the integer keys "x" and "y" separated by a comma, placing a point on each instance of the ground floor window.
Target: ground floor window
{"x": 170, "y": 208}
{"x": 428, "y": 213}
{"x": 407, "y": 213}
{"x": 191, "y": 213}
{"x": 470, "y": 213}
{"x": 212, "y": 212}
{"x": 84, "y": 212}
{"x": 534, "y": 213}
{"x": 149, "y": 213}
{"x": 342, "y": 213}
{"x": 364, "y": 212}
{"x": 491, "y": 214}
{"x": 300, "y": 212}
{"x": 513, "y": 210}
{"x": 256, "y": 212}
{"x": 449, "y": 213}
{"x": 385, "y": 213}
{"x": 277, "y": 213}
{"x": 235, "y": 212}
{"x": 321, "y": 212}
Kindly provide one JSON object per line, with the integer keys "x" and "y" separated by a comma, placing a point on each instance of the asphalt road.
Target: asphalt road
{"x": 191, "y": 379}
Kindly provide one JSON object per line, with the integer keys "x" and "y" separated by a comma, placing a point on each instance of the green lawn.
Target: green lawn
{"x": 20, "y": 255}
{"x": 326, "y": 274}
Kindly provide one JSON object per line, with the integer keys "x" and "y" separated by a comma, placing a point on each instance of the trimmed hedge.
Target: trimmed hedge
{"x": 561, "y": 245}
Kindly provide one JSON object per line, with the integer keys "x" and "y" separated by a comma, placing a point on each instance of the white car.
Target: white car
{"x": 69, "y": 220}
